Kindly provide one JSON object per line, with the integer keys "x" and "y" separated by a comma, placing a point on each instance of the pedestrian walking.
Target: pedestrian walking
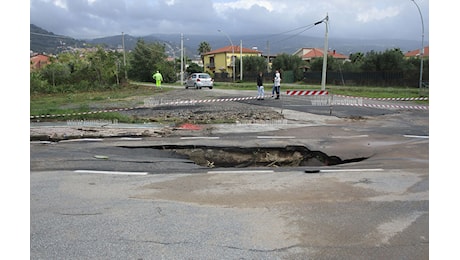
{"x": 260, "y": 86}
{"x": 277, "y": 84}
{"x": 158, "y": 78}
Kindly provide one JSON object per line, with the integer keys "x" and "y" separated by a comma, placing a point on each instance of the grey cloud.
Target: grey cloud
{"x": 141, "y": 17}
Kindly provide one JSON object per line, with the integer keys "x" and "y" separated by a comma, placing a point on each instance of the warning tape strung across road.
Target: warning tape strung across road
{"x": 340, "y": 103}
{"x": 325, "y": 92}
{"x": 383, "y": 106}
{"x": 185, "y": 102}
{"x": 307, "y": 92}
{"x": 85, "y": 113}
{"x": 289, "y": 92}
{"x": 388, "y": 99}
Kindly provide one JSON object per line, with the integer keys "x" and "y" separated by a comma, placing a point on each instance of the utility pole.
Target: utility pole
{"x": 181, "y": 58}
{"x": 323, "y": 79}
{"x": 268, "y": 56}
{"x": 124, "y": 54}
{"x": 241, "y": 60}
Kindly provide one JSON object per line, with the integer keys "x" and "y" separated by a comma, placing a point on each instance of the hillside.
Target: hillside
{"x": 44, "y": 41}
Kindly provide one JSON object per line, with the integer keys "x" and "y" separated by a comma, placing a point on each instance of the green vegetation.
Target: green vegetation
{"x": 375, "y": 92}
{"x": 133, "y": 95}
{"x": 357, "y": 91}
{"x": 70, "y": 103}
{"x": 95, "y": 80}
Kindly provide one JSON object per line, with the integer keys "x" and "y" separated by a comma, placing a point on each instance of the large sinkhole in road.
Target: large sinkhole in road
{"x": 239, "y": 157}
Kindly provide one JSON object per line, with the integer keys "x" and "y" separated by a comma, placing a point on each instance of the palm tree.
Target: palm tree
{"x": 203, "y": 48}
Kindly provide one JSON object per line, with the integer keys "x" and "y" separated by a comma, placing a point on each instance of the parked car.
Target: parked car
{"x": 199, "y": 80}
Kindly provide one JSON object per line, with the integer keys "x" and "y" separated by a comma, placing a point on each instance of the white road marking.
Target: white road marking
{"x": 242, "y": 171}
{"x": 352, "y": 170}
{"x": 417, "y": 136}
{"x": 351, "y": 136}
{"x": 111, "y": 172}
{"x": 41, "y": 142}
{"x": 199, "y": 137}
{"x": 131, "y": 138}
{"x": 275, "y": 137}
{"x": 83, "y": 140}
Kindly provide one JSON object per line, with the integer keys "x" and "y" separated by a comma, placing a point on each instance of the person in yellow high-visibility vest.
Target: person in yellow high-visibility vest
{"x": 158, "y": 79}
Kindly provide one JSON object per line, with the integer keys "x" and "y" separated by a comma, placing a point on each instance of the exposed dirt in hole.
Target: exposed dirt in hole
{"x": 239, "y": 157}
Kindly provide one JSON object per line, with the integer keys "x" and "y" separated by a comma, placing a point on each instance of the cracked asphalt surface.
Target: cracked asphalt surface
{"x": 374, "y": 209}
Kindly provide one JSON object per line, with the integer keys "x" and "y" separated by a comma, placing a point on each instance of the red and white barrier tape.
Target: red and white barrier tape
{"x": 188, "y": 102}
{"x": 185, "y": 102}
{"x": 388, "y": 99}
{"x": 306, "y": 92}
{"x": 384, "y": 106}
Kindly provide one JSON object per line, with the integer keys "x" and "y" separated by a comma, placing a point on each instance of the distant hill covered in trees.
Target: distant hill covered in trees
{"x": 42, "y": 41}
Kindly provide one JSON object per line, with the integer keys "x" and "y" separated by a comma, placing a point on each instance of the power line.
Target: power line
{"x": 292, "y": 36}
{"x": 307, "y": 27}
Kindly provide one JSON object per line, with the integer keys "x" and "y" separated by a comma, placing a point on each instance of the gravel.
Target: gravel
{"x": 202, "y": 107}
{"x": 165, "y": 111}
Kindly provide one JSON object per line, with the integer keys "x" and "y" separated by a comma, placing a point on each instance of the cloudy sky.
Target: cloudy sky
{"x": 364, "y": 19}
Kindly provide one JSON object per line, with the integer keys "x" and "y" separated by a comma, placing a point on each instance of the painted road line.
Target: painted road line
{"x": 350, "y": 136}
{"x": 83, "y": 140}
{"x": 199, "y": 137}
{"x": 275, "y": 137}
{"x": 111, "y": 172}
{"x": 131, "y": 138}
{"x": 41, "y": 142}
{"x": 417, "y": 136}
{"x": 347, "y": 170}
{"x": 242, "y": 171}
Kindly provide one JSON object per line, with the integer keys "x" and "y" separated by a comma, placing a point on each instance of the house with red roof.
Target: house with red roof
{"x": 309, "y": 54}
{"x": 39, "y": 61}
{"x": 221, "y": 60}
{"x": 416, "y": 53}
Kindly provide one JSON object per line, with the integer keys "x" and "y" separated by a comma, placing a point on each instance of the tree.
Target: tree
{"x": 390, "y": 60}
{"x": 105, "y": 66}
{"x": 354, "y": 65}
{"x": 56, "y": 73}
{"x": 194, "y": 68}
{"x": 252, "y": 64}
{"x": 317, "y": 64}
{"x": 356, "y": 57}
{"x": 145, "y": 59}
{"x": 203, "y": 48}
{"x": 286, "y": 62}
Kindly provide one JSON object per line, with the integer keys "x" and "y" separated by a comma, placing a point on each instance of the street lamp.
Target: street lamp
{"x": 323, "y": 78}
{"x": 422, "y": 49}
{"x": 233, "y": 54}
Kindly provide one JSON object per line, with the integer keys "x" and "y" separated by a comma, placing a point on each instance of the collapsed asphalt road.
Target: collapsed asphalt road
{"x": 123, "y": 197}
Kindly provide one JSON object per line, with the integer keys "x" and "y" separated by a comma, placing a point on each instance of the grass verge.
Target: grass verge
{"x": 133, "y": 95}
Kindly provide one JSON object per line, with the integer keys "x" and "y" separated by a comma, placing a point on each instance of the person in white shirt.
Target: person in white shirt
{"x": 277, "y": 84}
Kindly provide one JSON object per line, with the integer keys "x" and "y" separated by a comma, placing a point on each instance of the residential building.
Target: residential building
{"x": 416, "y": 53}
{"x": 220, "y": 60}
{"x": 309, "y": 54}
{"x": 39, "y": 61}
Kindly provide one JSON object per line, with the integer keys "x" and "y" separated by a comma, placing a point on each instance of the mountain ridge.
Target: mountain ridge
{"x": 44, "y": 41}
